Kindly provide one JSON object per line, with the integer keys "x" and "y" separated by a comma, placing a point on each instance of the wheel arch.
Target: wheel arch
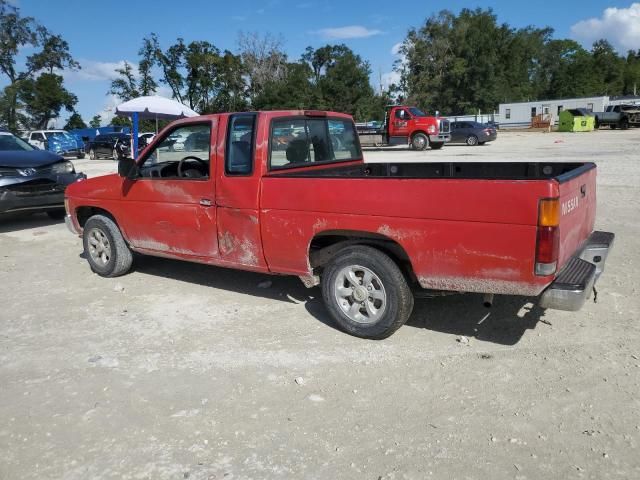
{"x": 84, "y": 213}
{"x": 325, "y": 245}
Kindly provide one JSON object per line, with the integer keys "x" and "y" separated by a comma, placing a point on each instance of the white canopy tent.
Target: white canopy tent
{"x": 155, "y": 107}
{"x": 152, "y": 107}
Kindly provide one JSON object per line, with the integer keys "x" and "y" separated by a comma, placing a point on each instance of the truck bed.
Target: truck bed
{"x": 480, "y": 170}
{"x": 464, "y": 226}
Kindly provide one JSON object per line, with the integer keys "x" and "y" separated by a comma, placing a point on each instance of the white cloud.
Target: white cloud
{"x": 351, "y": 31}
{"x": 389, "y": 79}
{"x": 97, "y": 71}
{"x": 621, "y": 26}
{"x": 395, "y": 50}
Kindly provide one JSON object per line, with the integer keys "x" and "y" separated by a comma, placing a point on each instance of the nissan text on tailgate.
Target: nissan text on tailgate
{"x": 287, "y": 192}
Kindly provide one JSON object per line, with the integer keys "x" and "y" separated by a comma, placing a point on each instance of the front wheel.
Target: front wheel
{"x": 366, "y": 293}
{"x": 624, "y": 124}
{"x": 106, "y": 250}
{"x": 420, "y": 141}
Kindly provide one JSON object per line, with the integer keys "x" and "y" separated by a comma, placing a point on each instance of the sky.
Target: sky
{"x": 102, "y": 35}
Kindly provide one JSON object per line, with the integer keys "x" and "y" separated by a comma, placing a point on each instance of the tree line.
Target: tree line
{"x": 452, "y": 63}
{"x": 468, "y": 62}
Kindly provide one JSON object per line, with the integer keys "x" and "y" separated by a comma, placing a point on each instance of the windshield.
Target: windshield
{"x": 64, "y": 135}
{"x": 10, "y": 142}
{"x": 416, "y": 112}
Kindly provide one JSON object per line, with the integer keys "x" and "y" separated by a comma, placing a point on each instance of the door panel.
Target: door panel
{"x": 238, "y": 192}
{"x": 171, "y": 214}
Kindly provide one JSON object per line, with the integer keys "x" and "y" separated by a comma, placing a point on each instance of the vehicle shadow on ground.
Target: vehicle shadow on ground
{"x": 284, "y": 288}
{"x": 11, "y": 222}
{"x": 505, "y": 323}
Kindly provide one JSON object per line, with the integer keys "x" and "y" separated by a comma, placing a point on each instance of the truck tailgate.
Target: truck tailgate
{"x": 577, "y": 191}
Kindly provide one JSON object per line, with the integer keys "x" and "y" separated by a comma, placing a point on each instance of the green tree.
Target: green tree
{"x": 44, "y": 98}
{"x": 124, "y": 86}
{"x": 75, "y": 121}
{"x": 95, "y": 122}
{"x": 293, "y": 91}
{"x": 52, "y": 53}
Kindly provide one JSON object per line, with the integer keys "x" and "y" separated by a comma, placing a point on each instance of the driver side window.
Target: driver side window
{"x": 183, "y": 154}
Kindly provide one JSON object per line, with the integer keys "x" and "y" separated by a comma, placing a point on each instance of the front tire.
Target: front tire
{"x": 366, "y": 293}
{"x": 106, "y": 250}
{"x": 420, "y": 141}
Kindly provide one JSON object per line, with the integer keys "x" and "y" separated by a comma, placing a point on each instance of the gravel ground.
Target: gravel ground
{"x": 187, "y": 371}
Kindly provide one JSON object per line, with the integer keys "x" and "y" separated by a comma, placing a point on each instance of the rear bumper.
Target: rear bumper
{"x": 573, "y": 286}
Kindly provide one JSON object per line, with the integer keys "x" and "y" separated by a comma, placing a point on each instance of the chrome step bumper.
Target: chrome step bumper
{"x": 573, "y": 286}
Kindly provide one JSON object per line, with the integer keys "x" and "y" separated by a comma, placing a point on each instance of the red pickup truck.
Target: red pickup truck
{"x": 404, "y": 125}
{"x": 288, "y": 193}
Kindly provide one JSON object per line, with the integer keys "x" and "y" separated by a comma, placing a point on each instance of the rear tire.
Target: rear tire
{"x": 366, "y": 293}
{"x": 419, "y": 141}
{"x": 472, "y": 140}
{"x": 105, "y": 248}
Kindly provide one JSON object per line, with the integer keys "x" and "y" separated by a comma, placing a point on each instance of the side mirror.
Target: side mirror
{"x": 127, "y": 168}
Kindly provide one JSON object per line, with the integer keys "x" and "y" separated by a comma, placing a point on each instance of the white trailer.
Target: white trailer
{"x": 519, "y": 114}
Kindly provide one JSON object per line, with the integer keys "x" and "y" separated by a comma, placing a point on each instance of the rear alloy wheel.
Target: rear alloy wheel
{"x": 472, "y": 140}
{"x": 420, "y": 141}
{"x": 106, "y": 250}
{"x": 92, "y": 154}
{"x": 366, "y": 293}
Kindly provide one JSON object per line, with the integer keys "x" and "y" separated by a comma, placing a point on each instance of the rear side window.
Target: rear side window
{"x": 297, "y": 142}
{"x": 239, "y": 157}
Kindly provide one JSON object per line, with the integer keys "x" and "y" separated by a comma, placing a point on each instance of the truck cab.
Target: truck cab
{"x": 407, "y": 125}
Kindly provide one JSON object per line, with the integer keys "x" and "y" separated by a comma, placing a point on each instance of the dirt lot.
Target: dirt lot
{"x": 185, "y": 371}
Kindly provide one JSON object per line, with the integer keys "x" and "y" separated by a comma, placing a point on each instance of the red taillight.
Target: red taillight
{"x": 548, "y": 237}
{"x": 548, "y": 244}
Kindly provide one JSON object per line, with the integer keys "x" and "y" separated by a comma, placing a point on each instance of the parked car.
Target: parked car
{"x": 33, "y": 180}
{"x": 472, "y": 133}
{"x": 111, "y": 145}
{"x": 370, "y": 234}
{"x": 60, "y": 142}
{"x": 145, "y": 138}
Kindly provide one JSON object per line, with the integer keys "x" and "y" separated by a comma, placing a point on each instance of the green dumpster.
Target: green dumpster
{"x": 576, "y": 120}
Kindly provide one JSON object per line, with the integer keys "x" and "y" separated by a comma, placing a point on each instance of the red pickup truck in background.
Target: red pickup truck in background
{"x": 288, "y": 193}
{"x": 405, "y": 125}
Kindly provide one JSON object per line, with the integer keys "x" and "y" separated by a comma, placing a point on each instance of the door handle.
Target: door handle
{"x": 205, "y": 202}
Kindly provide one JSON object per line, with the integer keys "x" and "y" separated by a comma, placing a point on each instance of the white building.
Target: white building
{"x": 519, "y": 114}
